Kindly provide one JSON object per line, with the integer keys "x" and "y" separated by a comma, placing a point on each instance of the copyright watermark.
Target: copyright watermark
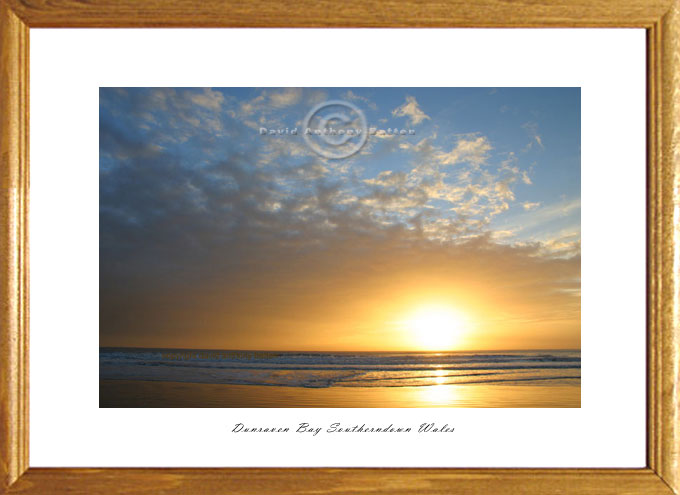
{"x": 335, "y": 129}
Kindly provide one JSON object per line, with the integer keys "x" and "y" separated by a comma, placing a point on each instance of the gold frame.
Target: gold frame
{"x": 661, "y": 19}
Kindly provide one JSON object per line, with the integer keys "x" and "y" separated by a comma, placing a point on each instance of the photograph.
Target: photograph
{"x": 338, "y": 249}
{"x": 361, "y": 247}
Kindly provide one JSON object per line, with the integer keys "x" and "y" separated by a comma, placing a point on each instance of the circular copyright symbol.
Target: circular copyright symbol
{"x": 335, "y": 129}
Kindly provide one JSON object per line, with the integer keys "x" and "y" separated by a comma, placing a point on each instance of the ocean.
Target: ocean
{"x": 541, "y": 371}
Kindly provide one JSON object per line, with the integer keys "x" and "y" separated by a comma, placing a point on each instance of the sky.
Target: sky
{"x": 461, "y": 234}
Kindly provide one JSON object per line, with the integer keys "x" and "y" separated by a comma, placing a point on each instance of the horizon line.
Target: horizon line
{"x": 300, "y": 350}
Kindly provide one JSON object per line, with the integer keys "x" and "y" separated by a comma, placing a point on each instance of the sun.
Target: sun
{"x": 436, "y": 328}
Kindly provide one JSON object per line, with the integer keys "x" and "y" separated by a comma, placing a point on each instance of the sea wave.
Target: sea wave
{"x": 323, "y": 369}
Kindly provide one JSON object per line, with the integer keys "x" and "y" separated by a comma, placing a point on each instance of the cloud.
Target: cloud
{"x": 532, "y": 131}
{"x": 270, "y": 101}
{"x": 549, "y": 226}
{"x": 411, "y": 110}
{"x": 208, "y": 98}
{"x": 564, "y": 245}
{"x": 530, "y": 206}
{"x": 285, "y": 98}
{"x": 475, "y": 150}
{"x": 350, "y": 95}
{"x": 250, "y": 107}
{"x": 459, "y": 201}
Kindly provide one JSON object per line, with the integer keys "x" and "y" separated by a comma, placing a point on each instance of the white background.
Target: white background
{"x": 67, "y": 68}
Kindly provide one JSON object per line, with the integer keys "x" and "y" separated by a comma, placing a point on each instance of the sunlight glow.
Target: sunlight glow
{"x": 436, "y": 328}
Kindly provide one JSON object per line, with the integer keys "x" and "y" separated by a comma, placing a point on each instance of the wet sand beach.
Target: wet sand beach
{"x": 129, "y": 393}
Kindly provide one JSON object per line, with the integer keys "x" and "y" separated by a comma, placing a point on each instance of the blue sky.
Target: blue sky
{"x": 190, "y": 188}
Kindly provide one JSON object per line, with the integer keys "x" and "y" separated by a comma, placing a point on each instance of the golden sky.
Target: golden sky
{"x": 357, "y": 297}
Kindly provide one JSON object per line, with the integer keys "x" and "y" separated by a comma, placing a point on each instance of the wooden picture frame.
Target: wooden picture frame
{"x": 660, "y": 18}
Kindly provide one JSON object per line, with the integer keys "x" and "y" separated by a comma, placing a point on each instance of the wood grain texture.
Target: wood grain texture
{"x": 339, "y": 482}
{"x": 667, "y": 368}
{"x": 13, "y": 247}
{"x": 655, "y": 219}
{"x": 660, "y": 17}
{"x": 338, "y": 13}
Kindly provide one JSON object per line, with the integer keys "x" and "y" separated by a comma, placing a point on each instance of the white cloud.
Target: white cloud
{"x": 411, "y": 110}
{"x": 544, "y": 219}
{"x": 473, "y": 150}
{"x": 530, "y": 206}
{"x": 250, "y": 107}
{"x": 532, "y": 130}
{"x": 285, "y": 98}
{"x": 209, "y": 99}
{"x": 563, "y": 246}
